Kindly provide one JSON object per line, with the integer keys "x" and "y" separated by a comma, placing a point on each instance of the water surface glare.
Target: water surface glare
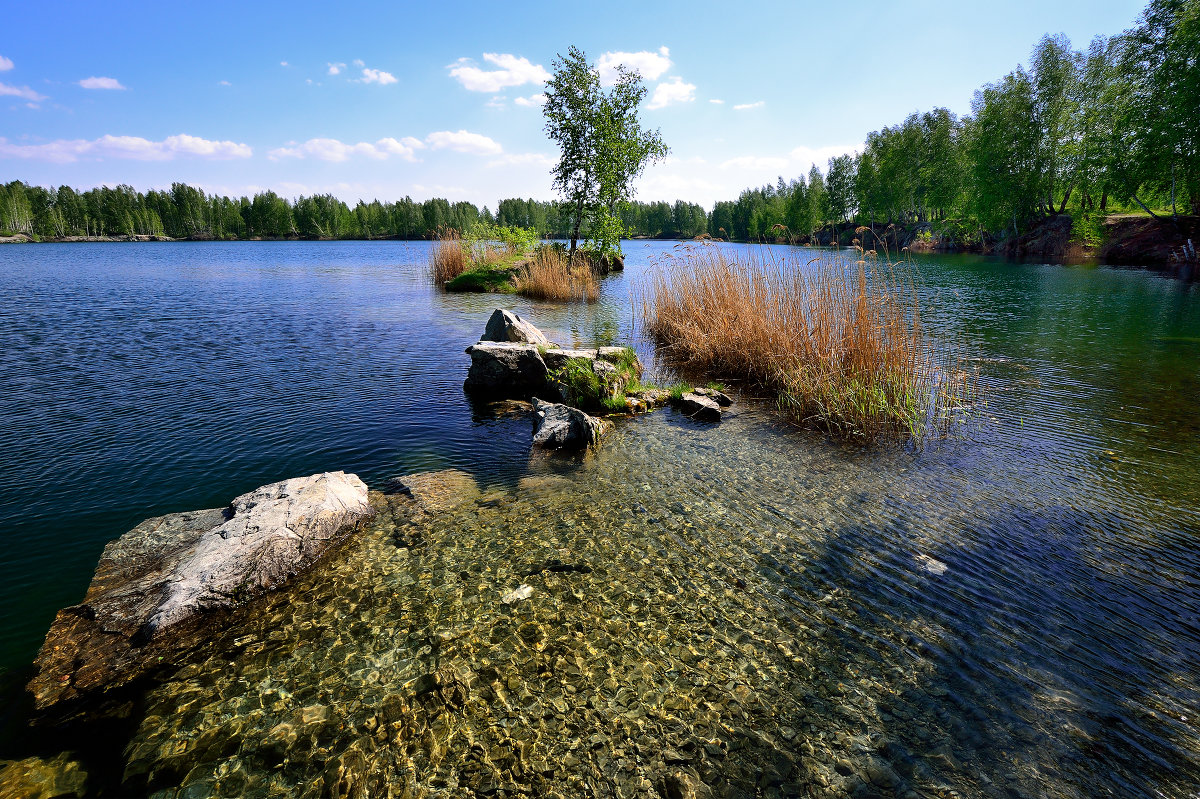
{"x": 1013, "y": 613}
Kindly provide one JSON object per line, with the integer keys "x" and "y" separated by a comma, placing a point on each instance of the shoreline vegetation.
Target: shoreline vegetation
{"x": 1130, "y": 239}
{"x": 510, "y": 260}
{"x": 839, "y": 344}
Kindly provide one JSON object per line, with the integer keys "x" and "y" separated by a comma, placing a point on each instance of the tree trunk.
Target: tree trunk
{"x": 575, "y": 232}
{"x": 1144, "y": 208}
{"x": 1066, "y": 197}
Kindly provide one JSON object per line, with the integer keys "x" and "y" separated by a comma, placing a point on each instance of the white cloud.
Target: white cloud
{"x": 531, "y": 101}
{"x": 463, "y": 142}
{"x": 376, "y": 76}
{"x": 65, "y": 151}
{"x": 513, "y": 71}
{"x": 755, "y": 162}
{"x": 283, "y": 64}
{"x": 649, "y": 65}
{"x": 100, "y": 83}
{"x": 358, "y": 62}
{"x": 335, "y": 68}
{"x": 334, "y": 150}
{"x": 525, "y": 159}
{"x": 717, "y": 102}
{"x": 499, "y": 101}
{"x": 670, "y": 92}
{"x": 224, "y": 83}
{"x": 796, "y": 162}
{"x": 748, "y": 106}
{"x": 24, "y": 92}
{"x": 5, "y": 64}
{"x": 695, "y": 180}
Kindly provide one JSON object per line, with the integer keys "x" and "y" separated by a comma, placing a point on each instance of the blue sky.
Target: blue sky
{"x": 384, "y": 100}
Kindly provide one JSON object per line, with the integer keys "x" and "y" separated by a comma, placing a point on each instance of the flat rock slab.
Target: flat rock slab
{"x": 155, "y": 585}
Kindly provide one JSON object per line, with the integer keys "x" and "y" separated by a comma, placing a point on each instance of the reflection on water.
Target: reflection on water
{"x": 753, "y": 609}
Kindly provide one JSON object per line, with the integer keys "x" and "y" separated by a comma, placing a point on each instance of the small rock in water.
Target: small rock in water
{"x": 507, "y": 326}
{"x": 719, "y": 397}
{"x": 516, "y": 595}
{"x": 558, "y": 426}
{"x": 928, "y": 564}
{"x": 702, "y": 409}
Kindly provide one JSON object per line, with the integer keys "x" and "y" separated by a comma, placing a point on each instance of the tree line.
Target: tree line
{"x": 188, "y": 212}
{"x": 1112, "y": 127}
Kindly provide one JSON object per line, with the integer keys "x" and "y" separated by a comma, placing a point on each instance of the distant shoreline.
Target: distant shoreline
{"x": 1130, "y": 241}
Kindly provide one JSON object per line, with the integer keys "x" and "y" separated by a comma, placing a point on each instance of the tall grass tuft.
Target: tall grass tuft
{"x": 548, "y": 277}
{"x": 449, "y": 258}
{"x": 840, "y": 343}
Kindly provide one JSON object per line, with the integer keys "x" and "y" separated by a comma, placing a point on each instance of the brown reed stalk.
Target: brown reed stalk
{"x": 840, "y": 343}
{"x": 548, "y": 277}
{"x": 448, "y": 258}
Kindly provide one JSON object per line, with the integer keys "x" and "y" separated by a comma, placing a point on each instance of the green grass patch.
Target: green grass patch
{"x": 486, "y": 278}
{"x": 587, "y": 388}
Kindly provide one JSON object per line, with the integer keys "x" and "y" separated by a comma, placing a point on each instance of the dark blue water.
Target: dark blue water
{"x": 139, "y": 380}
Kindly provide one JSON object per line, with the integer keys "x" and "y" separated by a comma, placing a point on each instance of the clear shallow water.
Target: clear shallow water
{"x": 1016, "y": 613}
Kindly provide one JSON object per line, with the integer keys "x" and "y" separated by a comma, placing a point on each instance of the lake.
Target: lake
{"x": 1014, "y": 611}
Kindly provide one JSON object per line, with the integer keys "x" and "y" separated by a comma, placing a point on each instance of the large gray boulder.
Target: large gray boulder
{"x": 507, "y": 326}
{"x": 505, "y": 370}
{"x": 558, "y": 426}
{"x": 156, "y": 585}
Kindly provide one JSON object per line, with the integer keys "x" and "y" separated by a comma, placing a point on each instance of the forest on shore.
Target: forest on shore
{"x": 1081, "y": 134}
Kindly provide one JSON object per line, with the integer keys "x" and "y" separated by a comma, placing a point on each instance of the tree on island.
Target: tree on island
{"x": 602, "y": 145}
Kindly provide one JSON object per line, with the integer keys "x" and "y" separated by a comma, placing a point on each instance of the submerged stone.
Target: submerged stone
{"x": 155, "y": 585}
{"x": 436, "y": 491}
{"x": 517, "y": 594}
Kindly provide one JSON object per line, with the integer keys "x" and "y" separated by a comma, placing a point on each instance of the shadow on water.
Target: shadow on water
{"x": 1016, "y": 664}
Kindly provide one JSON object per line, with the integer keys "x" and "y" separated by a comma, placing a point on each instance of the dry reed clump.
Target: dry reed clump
{"x": 448, "y": 259}
{"x": 548, "y": 277}
{"x": 840, "y": 343}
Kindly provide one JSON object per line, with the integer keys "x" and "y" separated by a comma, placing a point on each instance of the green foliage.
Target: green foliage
{"x": 602, "y": 146}
{"x": 678, "y": 390}
{"x": 586, "y": 388}
{"x": 582, "y": 387}
{"x": 514, "y": 238}
{"x": 618, "y": 404}
{"x": 604, "y": 235}
{"x": 1088, "y": 228}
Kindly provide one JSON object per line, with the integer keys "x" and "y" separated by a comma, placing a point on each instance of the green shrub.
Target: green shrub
{"x": 1088, "y": 228}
